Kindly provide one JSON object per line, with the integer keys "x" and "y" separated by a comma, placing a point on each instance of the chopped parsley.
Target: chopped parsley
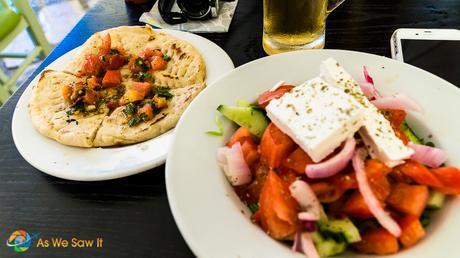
{"x": 134, "y": 121}
{"x": 254, "y": 207}
{"x": 166, "y": 58}
{"x": 144, "y": 76}
{"x": 130, "y": 109}
{"x": 162, "y": 92}
{"x": 141, "y": 64}
{"x": 69, "y": 112}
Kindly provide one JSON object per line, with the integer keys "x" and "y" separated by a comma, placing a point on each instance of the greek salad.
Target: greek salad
{"x": 332, "y": 164}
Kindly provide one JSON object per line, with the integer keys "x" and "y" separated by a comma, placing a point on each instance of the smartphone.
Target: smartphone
{"x": 434, "y": 50}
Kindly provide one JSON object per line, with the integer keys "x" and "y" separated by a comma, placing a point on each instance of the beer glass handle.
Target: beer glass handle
{"x": 332, "y": 4}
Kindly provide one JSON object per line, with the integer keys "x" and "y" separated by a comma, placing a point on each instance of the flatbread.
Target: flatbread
{"x": 115, "y": 130}
{"x": 185, "y": 68}
{"x": 48, "y": 112}
{"x": 184, "y": 74}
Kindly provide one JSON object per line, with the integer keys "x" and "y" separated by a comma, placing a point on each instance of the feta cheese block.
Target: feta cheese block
{"x": 377, "y": 133}
{"x": 317, "y": 116}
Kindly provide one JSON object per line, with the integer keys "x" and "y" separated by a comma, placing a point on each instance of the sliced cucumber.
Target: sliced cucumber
{"x": 436, "y": 200}
{"x": 249, "y": 117}
{"x": 410, "y": 134}
{"x": 327, "y": 247}
{"x": 343, "y": 227}
{"x": 243, "y": 103}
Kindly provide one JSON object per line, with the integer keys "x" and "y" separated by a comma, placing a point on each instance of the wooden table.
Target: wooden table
{"x": 132, "y": 214}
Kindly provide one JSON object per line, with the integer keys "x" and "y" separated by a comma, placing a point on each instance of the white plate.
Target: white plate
{"x": 209, "y": 214}
{"x": 103, "y": 163}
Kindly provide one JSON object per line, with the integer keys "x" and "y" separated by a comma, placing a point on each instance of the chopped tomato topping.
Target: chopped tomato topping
{"x": 142, "y": 87}
{"x": 106, "y": 44}
{"x": 112, "y": 78}
{"x": 396, "y": 118}
{"x": 411, "y": 230}
{"x": 409, "y": 199}
{"x": 297, "y": 161}
{"x": 275, "y": 146}
{"x": 158, "y": 63}
{"x": 251, "y": 156}
{"x": 113, "y": 104}
{"x": 419, "y": 173}
{"x": 91, "y": 66}
{"x": 450, "y": 179}
{"x": 250, "y": 193}
{"x": 160, "y": 102}
{"x": 149, "y": 52}
{"x": 278, "y": 210}
{"x": 90, "y": 97}
{"x": 377, "y": 241}
{"x": 146, "y": 110}
{"x": 66, "y": 92}
{"x": 114, "y": 62}
{"x": 93, "y": 83}
{"x": 267, "y": 96}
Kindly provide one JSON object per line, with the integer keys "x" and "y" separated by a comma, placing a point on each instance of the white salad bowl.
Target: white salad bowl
{"x": 209, "y": 214}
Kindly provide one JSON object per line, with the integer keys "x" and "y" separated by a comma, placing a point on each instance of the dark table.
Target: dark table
{"x": 132, "y": 215}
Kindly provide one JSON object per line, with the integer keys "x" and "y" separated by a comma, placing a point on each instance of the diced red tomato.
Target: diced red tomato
{"x": 278, "y": 210}
{"x": 113, "y": 104}
{"x": 411, "y": 230}
{"x": 250, "y": 193}
{"x": 66, "y": 92}
{"x": 114, "y": 62}
{"x": 90, "y": 97}
{"x": 142, "y": 87}
{"x": 297, "y": 161}
{"x": 375, "y": 168}
{"x": 377, "y": 241}
{"x": 275, "y": 146}
{"x": 240, "y": 135}
{"x": 106, "y": 44}
{"x": 112, "y": 78}
{"x": 149, "y": 52}
{"x": 158, "y": 63}
{"x": 345, "y": 180}
{"x": 376, "y": 173}
{"x": 147, "y": 111}
{"x": 396, "y": 118}
{"x": 326, "y": 191}
{"x": 408, "y": 199}
{"x": 93, "y": 83}
{"x": 419, "y": 173}
{"x": 356, "y": 207}
{"x": 450, "y": 179}
{"x": 288, "y": 175}
{"x": 91, "y": 66}
{"x": 251, "y": 156}
{"x": 267, "y": 96}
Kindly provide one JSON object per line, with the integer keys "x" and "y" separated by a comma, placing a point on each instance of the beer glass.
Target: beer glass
{"x": 295, "y": 24}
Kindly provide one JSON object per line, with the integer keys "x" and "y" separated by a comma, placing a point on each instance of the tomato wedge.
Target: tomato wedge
{"x": 147, "y": 111}
{"x": 240, "y": 135}
{"x": 275, "y": 146}
{"x": 297, "y": 161}
{"x": 396, "y": 118}
{"x": 326, "y": 192}
{"x": 419, "y": 173}
{"x": 450, "y": 179}
{"x": 356, "y": 207}
{"x": 409, "y": 199}
{"x": 267, "y": 96}
{"x": 377, "y": 241}
{"x": 278, "y": 210}
{"x": 411, "y": 230}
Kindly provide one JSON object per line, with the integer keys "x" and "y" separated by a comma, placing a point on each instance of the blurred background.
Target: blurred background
{"x": 55, "y": 18}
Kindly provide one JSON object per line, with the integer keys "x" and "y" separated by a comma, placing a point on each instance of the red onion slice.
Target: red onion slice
{"x": 333, "y": 165}
{"x": 427, "y": 155}
{"x": 398, "y": 101}
{"x": 231, "y": 160}
{"x": 308, "y": 216}
{"x": 307, "y": 246}
{"x": 367, "y": 76}
{"x": 306, "y": 198}
{"x": 368, "y": 90}
{"x": 374, "y": 206}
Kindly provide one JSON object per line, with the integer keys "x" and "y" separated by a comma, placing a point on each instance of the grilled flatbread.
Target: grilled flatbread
{"x": 79, "y": 107}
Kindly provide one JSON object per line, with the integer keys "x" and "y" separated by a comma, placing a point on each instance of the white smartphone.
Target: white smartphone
{"x": 433, "y": 50}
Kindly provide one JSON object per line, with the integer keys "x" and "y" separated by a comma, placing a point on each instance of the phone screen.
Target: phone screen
{"x": 440, "y": 57}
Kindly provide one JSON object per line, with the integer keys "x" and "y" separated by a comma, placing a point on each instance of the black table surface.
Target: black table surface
{"x": 132, "y": 214}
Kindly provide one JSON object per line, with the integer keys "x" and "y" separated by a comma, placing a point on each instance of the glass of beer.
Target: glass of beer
{"x": 295, "y": 24}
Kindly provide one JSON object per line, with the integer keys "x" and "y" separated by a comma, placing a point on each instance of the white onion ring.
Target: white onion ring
{"x": 427, "y": 155}
{"x": 398, "y": 101}
{"x": 333, "y": 165}
{"x": 374, "y": 206}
